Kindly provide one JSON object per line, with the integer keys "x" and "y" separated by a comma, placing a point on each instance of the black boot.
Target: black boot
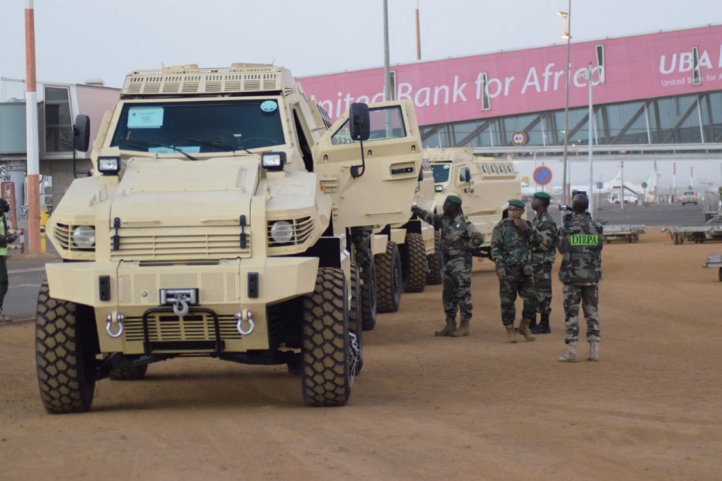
{"x": 543, "y": 327}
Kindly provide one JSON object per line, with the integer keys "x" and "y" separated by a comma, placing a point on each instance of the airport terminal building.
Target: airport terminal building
{"x": 655, "y": 97}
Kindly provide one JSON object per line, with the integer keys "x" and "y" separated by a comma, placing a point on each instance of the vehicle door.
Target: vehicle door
{"x": 385, "y": 181}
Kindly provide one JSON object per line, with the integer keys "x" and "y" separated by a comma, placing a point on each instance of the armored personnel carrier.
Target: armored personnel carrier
{"x": 484, "y": 184}
{"x": 216, "y": 224}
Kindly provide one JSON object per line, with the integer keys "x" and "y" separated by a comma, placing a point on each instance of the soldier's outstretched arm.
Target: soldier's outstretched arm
{"x": 562, "y": 241}
{"x": 426, "y": 216}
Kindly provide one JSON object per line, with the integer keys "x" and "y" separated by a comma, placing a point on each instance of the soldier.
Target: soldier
{"x": 580, "y": 243}
{"x": 459, "y": 240}
{"x": 5, "y": 238}
{"x": 510, "y": 251}
{"x": 543, "y": 252}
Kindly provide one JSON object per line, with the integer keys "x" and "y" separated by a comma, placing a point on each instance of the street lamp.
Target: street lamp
{"x": 588, "y": 76}
{"x": 387, "y": 73}
{"x": 567, "y": 16}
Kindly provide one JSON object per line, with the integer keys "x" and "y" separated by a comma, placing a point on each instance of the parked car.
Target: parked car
{"x": 629, "y": 198}
{"x": 689, "y": 197}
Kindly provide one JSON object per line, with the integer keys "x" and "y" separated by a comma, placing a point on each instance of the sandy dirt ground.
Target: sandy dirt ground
{"x": 424, "y": 408}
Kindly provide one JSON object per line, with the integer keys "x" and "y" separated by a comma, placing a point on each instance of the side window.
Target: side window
{"x": 385, "y": 123}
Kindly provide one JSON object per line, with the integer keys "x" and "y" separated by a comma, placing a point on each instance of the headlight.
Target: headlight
{"x": 439, "y": 188}
{"x": 282, "y": 231}
{"x": 273, "y": 160}
{"x": 84, "y": 236}
{"x": 109, "y": 165}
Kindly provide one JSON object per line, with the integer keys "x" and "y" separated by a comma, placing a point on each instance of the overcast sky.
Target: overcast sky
{"x": 81, "y": 39}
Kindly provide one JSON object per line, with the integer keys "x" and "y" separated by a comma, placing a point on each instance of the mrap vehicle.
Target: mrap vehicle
{"x": 215, "y": 223}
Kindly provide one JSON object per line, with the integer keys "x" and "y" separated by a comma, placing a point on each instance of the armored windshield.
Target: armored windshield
{"x": 441, "y": 172}
{"x": 199, "y": 127}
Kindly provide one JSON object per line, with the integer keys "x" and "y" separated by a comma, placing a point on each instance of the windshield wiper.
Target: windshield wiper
{"x": 220, "y": 145}
{"x": 141, "y": 143}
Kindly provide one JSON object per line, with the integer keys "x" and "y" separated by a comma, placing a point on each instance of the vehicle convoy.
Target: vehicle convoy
{"x": 216, "y": 223}
{"x": 484, "y": 184}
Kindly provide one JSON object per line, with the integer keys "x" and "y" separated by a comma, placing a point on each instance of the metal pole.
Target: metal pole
{"x": 31, "y": 126}
{"x": 621, "y": 187}
{"x": 568, "y": 34}
{"x": 418, "y": 32}
{"x": 590, "y": 71}
{"x": 387, "y": 73}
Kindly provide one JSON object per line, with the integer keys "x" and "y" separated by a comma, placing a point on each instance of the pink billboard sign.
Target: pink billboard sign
{"x": 525, "y": 81}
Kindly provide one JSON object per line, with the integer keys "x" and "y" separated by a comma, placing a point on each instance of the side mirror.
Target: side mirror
{"x": 81, "y": 133}
{"x": 359, "y": 122}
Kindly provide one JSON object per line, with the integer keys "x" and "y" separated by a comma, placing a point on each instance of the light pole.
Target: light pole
{"x": 567, "y": 16}
{"x": 387, "y": 74}
{"x": 588, "y": 76}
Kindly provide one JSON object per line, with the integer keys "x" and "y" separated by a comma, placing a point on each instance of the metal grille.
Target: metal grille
{"x": 168, "y": 327}
{"x": 63, "y": 234}
{"x": 180, "y": 243}
{"x": 173, "y": 82}
{"x": 302, "y": 229}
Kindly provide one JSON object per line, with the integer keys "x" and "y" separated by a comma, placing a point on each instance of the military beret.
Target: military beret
{"x": 542, "y": 195}
{"x": 517, "y": 203}
{"x": 454, "y": 199}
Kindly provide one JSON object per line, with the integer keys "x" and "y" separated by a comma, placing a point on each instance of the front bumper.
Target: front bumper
{"x": 223, "y": 290}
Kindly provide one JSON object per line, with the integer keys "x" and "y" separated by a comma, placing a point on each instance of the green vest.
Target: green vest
{"x": 3, "y": 233}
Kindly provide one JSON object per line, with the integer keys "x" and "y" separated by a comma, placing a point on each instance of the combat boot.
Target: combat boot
{"x": 3, "y": 317}
{"x": 448, "y": 330}
{"x": 524, "y": 330}
{"x": 510, "y": 333}
{"x": 532, "y": 324}
{"x": 543, "y": 326}
{"x": 571, "y": 354}
{"x": 463, "y": 329}
{"x": 593, "y": 351}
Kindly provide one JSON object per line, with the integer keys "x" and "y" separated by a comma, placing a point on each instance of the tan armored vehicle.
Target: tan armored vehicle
{"x": 484, "y": 184}
{"x": 216, "y": 224}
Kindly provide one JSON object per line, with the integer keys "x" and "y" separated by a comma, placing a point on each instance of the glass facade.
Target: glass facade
{"x": 682, "y": 119}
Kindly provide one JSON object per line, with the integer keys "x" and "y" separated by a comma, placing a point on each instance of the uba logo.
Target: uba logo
{"x": 683, "y": 62}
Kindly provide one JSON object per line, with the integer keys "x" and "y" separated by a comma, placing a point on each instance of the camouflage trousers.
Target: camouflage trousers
{"x": 589, "y": 297}
{"x": 543, "y": 287}
{"x": 514, "y": 282}
{"x": 457, "y": 288}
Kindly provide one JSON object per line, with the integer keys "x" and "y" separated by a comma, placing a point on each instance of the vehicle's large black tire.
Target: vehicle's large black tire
{"x": 129, "y": 374}
{"x": 417, "y": 265}
{"x": 66, "y": 344}
{"x": 368, "y": 297}
{"x": 435, "y": 275}
{"x": 326, "y": 377}
{"x": 389, "y": 279}
{"x": 719, "y": 274}
{"x": 355, "y": 322}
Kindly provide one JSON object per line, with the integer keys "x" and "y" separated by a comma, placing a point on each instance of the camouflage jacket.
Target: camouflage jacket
{"x": 459, "y": 237}
{"x": 510, "y": 246}
{"x": 580, "y": 243}
{"x": 543, "y": 239}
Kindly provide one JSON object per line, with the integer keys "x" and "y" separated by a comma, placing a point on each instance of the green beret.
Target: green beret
{"x": 542, "y": 195}
{"x": 517, "y": 203}
{"x": 454, "y": 199}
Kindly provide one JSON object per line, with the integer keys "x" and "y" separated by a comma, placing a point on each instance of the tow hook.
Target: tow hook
{"x": 114, "y": 324}
{"x": 245, "y": 315}
{"x": 180, "y": 307}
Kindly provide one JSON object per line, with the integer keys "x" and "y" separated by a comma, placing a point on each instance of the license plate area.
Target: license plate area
{"x": 169, "y": 297}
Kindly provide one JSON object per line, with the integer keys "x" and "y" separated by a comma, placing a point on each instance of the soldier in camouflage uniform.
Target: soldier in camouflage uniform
{"x": 543, "y": 252}
{"x": 510, "y": 251}
{"x": 580, "y": 243}
{"x": 459, "y": 241}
